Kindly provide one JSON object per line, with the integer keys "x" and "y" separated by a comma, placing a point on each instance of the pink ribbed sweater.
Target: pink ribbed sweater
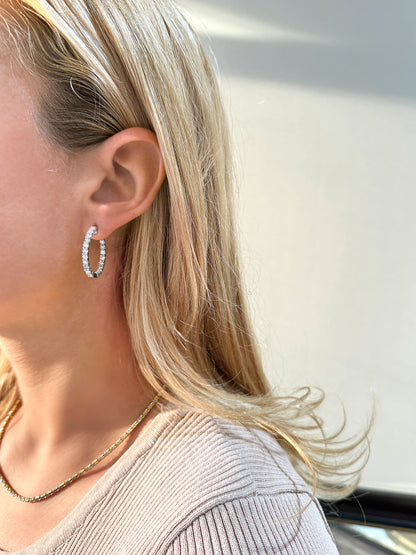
{"x": 193, "y": 484}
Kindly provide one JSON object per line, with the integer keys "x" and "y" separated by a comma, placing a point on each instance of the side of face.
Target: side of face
{"x": 49, "y": 198}
{"x": 39, "y": 215}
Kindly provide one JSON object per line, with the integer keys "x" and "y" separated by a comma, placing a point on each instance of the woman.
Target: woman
{"x": 113, "y": 137}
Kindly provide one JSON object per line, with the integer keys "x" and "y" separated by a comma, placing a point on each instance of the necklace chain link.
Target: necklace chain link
{"x": 74, "y": 477}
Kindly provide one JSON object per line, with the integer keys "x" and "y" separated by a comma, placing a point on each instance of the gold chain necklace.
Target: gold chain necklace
{"x": 72, "y": 479}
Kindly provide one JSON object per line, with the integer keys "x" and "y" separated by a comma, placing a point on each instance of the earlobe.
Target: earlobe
{"x": 133, "y": 174}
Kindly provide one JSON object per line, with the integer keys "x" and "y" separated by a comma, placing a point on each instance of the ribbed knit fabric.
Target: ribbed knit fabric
{"x": 194, "y": 484}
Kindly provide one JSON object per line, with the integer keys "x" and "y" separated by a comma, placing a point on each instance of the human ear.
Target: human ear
{"x": 126, "y": 172}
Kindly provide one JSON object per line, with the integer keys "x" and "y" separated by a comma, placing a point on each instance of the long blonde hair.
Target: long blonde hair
{"x": 107, "y": 66}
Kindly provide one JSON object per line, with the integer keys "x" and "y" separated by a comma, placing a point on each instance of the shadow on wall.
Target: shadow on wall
{"x": 365, "y": 48}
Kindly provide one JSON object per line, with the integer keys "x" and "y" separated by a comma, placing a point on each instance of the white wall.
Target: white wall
{"x": 323, "y": 100}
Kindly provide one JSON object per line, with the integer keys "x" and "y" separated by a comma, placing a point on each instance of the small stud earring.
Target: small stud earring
{"x": 86, "y": 253}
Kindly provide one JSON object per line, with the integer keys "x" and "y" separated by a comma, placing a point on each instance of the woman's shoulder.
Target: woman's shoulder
{"x": 233, "y": 486}
{"x": 247, "y": 459}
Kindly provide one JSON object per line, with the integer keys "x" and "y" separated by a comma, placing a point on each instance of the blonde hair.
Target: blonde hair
{"x": 108, "y": 66}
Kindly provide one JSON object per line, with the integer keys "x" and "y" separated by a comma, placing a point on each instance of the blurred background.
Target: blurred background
{"x": 322, "y": 98}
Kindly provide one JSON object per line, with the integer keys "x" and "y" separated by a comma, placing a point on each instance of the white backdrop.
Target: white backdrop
{"x": 323, "y": 101}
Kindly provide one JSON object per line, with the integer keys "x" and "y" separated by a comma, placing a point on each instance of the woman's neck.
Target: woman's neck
{"x": 76, "y": 374}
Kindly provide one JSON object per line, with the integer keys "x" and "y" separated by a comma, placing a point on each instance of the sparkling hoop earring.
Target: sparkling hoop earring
{"x": 86, "y": 253}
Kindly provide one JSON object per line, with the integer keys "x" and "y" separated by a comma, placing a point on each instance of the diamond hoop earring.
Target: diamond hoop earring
{"x": 86, "y": 253}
